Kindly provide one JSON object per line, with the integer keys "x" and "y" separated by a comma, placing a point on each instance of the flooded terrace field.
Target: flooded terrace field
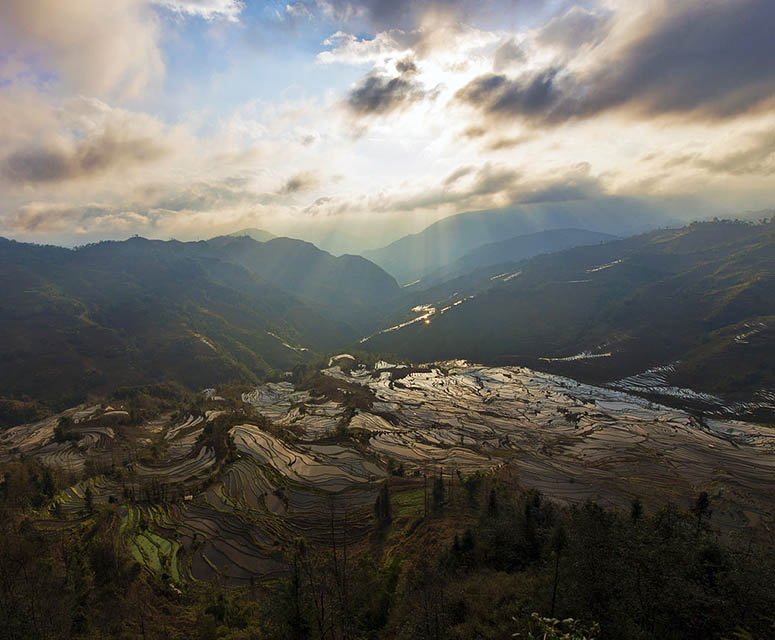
{"x": 570, "y": 440}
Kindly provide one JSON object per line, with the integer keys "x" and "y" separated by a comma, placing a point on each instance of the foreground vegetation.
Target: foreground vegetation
{"x": 451, "y": 557}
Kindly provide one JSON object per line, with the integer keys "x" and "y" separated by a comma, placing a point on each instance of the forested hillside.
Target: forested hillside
{"x": 86, "y": 321}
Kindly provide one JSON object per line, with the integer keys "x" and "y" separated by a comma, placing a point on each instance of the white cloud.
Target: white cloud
{"x": 93, "y": 46}
{"x": 207, "y": 9}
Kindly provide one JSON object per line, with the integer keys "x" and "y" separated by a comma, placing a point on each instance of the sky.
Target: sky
{"x": 370, "y": 119}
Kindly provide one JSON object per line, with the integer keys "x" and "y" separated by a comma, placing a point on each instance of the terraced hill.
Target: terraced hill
{"x": 301, "y": 463}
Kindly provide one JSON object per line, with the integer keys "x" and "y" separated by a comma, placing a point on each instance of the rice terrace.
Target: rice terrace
{"x": 306, "y": 459}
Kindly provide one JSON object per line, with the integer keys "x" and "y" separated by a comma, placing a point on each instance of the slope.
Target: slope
{"x": 348, "y": 288}
{"x": 121, "y": 313}
{"x": 679, "y": 294}
{"x": 416, "y": 255}
{"x": 514, "y": 250}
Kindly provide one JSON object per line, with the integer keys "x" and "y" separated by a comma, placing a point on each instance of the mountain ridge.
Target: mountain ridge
{"x": 415, "y": 255}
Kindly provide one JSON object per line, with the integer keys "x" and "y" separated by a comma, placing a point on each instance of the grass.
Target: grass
{"x": 408, "y": 503}
{"x": 156, "y": 553}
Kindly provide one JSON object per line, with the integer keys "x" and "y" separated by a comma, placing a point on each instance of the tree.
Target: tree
{"x": 382, "y": 508}
{"x": 636, "y": 510}
{"x": 559, "y": 541}
{"x": 438, "y": 493}
{"x": 88, "y": 502}
{"x": 492, "y": 506}
{"x": 701, "y": 509}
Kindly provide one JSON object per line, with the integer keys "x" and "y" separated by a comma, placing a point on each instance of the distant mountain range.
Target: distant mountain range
{"x": 348, "y": 288}
{"x": 415, "y": 256}
{"x": 514, "y": 250}
{"x": 702, "y": 296}
{"x": 74, "y": 323}
{"x": 78, "y": 322}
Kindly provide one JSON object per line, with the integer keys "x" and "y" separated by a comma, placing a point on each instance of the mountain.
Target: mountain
{"x": 335, "y": 241}
{"x": 85, "y": 321}
{"x": 701, "y": 296}
{"x": 447, "y": 240}
{"x": 259, "y": 235}
{"x": 348, "y": 287}
{"x": 514, "y": 250}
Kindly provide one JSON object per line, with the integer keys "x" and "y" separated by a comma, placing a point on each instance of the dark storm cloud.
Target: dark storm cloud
{"x": 378, "y": 94}
{"x": 713, "y": 59}
{"x": 500, "y": 95}
{"x": 89, "y": 157}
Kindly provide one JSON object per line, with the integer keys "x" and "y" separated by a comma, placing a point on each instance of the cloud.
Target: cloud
{"x": 202, "y": 196}
{"x": 300, "y": 182}
{"x": 574, "y": 185}
{"x": 407, "y": 14}
{"x": 499, "y": 95}
{"x": 498, "y": 185}
{"x": 378, "y": 94}
{"x": 500, "y": 144}
{"x": 710, "y": 59}
{"x": 89, "y": 46}
{"x": 298, "y": 10}
{"x": 453, "y": 177}
{"x": 447, "y": 42}
{"x": 507, "y": 55}
{"x": 350, "y": 49}
{"x": 80, "y": 138}
{"x": 207, "y": 9}
{"x": 483, "y": 188}
{"x": 153, "y": 207}
{"x": 575, "y": 28}
{"x": 42, "y": 217}
{"x": 406, "y": 66}
{"x": 755, "y": 156}
{"x": 97, "y": 154}
{"x": 473, "y": 132}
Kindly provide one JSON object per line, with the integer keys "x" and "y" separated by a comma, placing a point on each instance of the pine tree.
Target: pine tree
{"x": 636, "y": 510}
{"x": 88, "y": 502}
{"x": 382, "y": 508}
{"x": 438, "y": 493}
